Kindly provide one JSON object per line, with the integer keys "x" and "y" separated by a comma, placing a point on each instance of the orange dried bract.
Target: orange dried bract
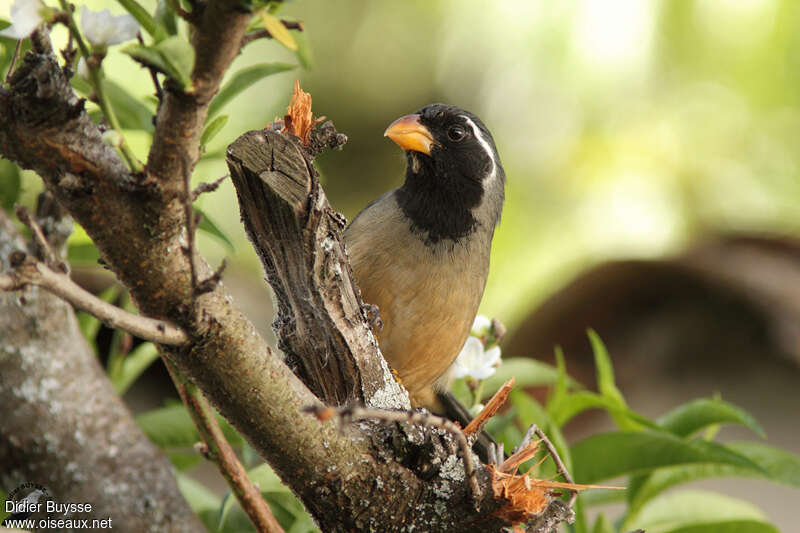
{"x": 299, "y": 119}
{"x": 491, "y": 408}
{"x": 526, "y": 496}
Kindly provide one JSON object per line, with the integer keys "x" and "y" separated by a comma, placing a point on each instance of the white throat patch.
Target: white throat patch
{"x": 484, "y": 144}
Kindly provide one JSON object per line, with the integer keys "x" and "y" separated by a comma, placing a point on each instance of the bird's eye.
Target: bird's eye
{"x": 456, "y": 133}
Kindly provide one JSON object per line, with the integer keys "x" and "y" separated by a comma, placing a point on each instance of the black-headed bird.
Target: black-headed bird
{"x": 420, "y": 252}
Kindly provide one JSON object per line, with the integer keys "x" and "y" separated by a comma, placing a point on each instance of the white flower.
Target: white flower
{"x": 481, "y": 326}
{"x": 101, "y": 28}
{"x": 26, "y": 15}
{"x": 83, "y": 69}
{"x": 476, "y": 362}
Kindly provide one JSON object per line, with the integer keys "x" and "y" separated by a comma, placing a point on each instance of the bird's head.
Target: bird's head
{"x": 454, "y": 180}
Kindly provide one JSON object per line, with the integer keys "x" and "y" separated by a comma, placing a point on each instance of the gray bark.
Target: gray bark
{"x": 65, "y": 428}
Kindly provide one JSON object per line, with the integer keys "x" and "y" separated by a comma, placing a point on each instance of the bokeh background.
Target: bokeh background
{"x": 653, "y": 191}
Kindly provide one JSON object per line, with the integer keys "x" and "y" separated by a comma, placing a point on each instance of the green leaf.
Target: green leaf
{"x": 287, "y": 509}
{"x": 776, "y": 465}
{"x": 172, "y": 427}
{"x": 531, "y": 412}
{"x": 304, "y": 52}
{"x": 212, "y": 129}
{"x": 131, "y": 112}
{"x": 207, "y": 225}
{"x": 526, "y": 373}
{"x": 696, "y": 415}
{"x": 10, "y": 184}
{"x": 575, "y": 403}
{"x": 173, "y": 56}
{"x": 183, "y": 461}
{"x": 729, "y": 526}
{"x": 278, "y": 31}
{"x": 240, "y": 81}
{"x": 144, "y": 19}
{"x": 201, "y": 500}
{"x": 606, "y": 384}
{"x": 697, "y": 511}
{"x": 133, "y": 365}
{"x": 82, "y": 253}
{"x": 605, "y": 370}
{"x": 165, "y": 17}
{"x": 609, "y": 455}
{"x": 602, "y": 525}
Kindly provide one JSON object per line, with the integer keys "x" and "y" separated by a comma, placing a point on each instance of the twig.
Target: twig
{"x": 560, "y": 468}
{"x": 153, "y": 74}
{"x": 491, "y": 408}
{"x": 28, "y": 271}
{"x": 210, "y": 283}
{"x": 217, "y": 449}
{"x": 13, "y": 62}
{"x": 47, "y": 254}
{"x": 208, "y": 187}
{"x": 265, "y": 34}
{"x": 423, "y": 418}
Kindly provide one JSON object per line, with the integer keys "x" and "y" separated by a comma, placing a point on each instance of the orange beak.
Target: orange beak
{"x": 409, "y": 134}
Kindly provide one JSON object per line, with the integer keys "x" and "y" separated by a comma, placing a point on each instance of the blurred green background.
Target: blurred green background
{"x": 627, "y": 128}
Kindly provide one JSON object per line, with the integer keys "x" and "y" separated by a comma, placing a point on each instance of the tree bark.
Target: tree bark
{"x": 64, "y": 426}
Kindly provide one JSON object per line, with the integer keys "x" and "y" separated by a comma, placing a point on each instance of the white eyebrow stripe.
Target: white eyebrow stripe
{"x": 484, "y": 144}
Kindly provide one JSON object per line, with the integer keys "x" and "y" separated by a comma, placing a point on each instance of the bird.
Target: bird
{"x": 420, "y": 252}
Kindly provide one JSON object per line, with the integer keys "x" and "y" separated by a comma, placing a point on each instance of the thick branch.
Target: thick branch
{"x": 176, "y": 143}
{"x": 320, "y": 324}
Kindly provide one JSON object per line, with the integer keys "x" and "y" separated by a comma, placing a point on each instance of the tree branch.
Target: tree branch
{"x": 28, "y": 271}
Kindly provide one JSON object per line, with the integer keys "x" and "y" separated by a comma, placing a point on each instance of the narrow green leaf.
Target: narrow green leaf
{"x": 131, "y": 112}
{"x": 213, "y": 129}
{"x": 166, "y": 18}
{"x": 173, "y": 56}
{"x": 610, "y": 455}
{"x": 575, "y": 403}
{"x": 697, "y": 415}
{"x": 183, "y": 461}
{"x": 689, "y": 510}
{"x": 10, "y": 184}
{"x": 207, "y": 225}
{"x": 605, "y": 371}
{"x": 240, "y": 81}
{"x": 526, "y": 372}
{"x": 606, "y": 384}
{"x": 144, "y": 19}
{"x": 133, "y": 365}
{"x": 278, "y": 31}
